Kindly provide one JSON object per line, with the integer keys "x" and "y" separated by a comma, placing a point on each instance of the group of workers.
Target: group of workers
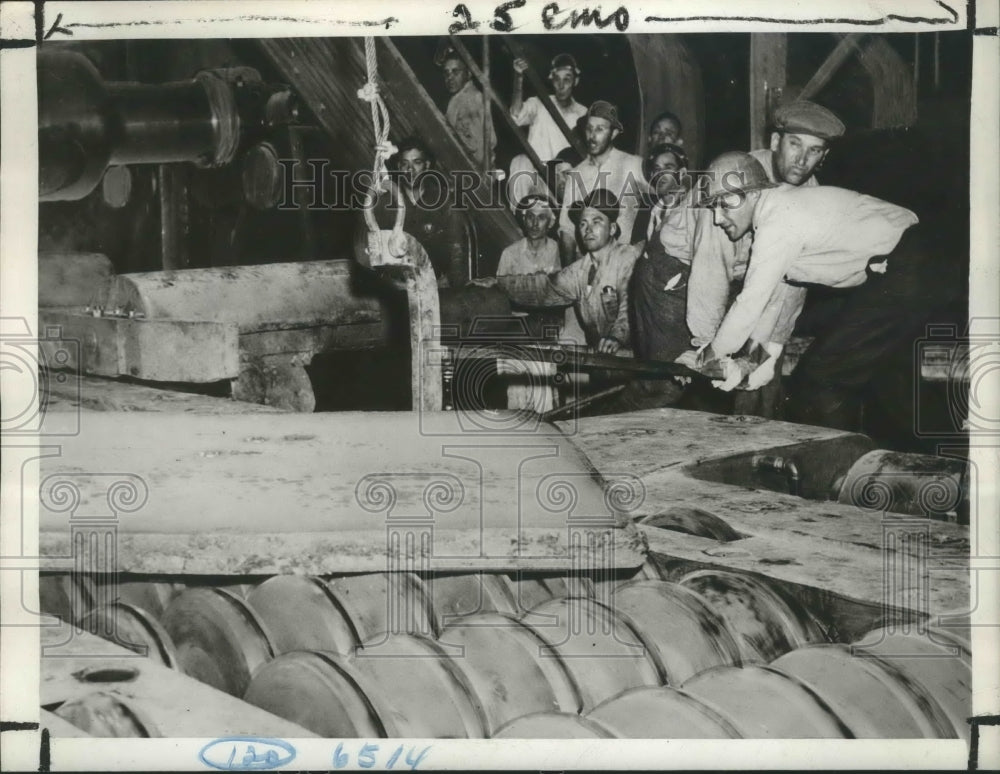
{"x": 709, "y": 269}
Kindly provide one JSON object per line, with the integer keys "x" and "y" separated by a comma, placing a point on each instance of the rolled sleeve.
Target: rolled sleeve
{"x": 774, "y": 250}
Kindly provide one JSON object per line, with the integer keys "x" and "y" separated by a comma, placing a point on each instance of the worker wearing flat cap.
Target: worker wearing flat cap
{"x": 605, "y": 167}
{"x": 596, "y": 285}
{"x": 818, "y": 235}
{"x": 799, "y": 144}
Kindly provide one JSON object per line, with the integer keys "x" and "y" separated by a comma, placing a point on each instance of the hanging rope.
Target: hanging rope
{"x": 383, "y": 150}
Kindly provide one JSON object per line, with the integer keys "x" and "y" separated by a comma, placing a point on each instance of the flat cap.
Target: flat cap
{"x": 600, "y": 199}
{"x": 804, "y": 117}
{"x": 607, "y": 111}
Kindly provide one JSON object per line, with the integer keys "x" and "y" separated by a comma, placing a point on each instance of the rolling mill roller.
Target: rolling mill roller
{"x": 133, "y": 628}
{"x": 669, "y": 662}
{"x": 377, "y": 691}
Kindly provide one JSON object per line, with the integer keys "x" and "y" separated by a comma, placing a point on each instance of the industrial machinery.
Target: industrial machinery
{"x": 246, "y": 567}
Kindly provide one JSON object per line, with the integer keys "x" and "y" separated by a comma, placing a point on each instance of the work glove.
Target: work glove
{"x": 764, "y": 372}
{"x": 734, "y": 371}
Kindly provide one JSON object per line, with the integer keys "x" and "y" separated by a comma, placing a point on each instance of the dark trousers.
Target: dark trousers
{"x": 877, "y": 318}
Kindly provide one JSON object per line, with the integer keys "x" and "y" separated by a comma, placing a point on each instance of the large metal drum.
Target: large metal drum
{"x": 661, "y": 713}
{"x": 133, "y": 628}
{"x": 765, "y": 624}
{"x": 503, "y": 661}
{"x": 300, "y": 613}
{"x": 553, "y": 725}
{"x": 218, "y": 638}
{"x": 602, "y": 651}
{"x": 455, "y": 595}
{"x": 430, "y": 696}
{"x": 940, "y": 664}
{"x": 384, "y": 602}
{"x": 873, "y": 698}
{"x": 763, "y": 704}
{"x": 323, "y": 692}
{"x": 683, "y": 635}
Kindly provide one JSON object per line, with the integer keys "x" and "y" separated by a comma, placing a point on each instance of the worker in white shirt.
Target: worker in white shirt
{"x": 799, "y": 144}
{"x": 544, "y": 135}
{"x": 816, "y": 236}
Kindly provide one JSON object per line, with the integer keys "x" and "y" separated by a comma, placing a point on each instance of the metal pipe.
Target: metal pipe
{"x": 86, "y": 124}
{"x": 782, "y": 466}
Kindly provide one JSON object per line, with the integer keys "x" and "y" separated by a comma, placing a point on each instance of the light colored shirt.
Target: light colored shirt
{"x": 465, "y": 115}
{"x": 544, "y": 135}
{"x": 519, "y": 259}
{"x": 716, "y": 263}
{"x": 601, "y": 315}
{"x": 674, "y": 227}
{"x": 815, "y": 235}
{"x": 620, "y": 173}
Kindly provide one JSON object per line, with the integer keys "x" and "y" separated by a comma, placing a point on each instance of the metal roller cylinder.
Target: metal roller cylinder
{"x": 380, "y": 602}
{"x": 553, "y": 725}
{"x": 324, "y": 693}
{"x": 604, "y": 654}
{"x": 104, "y": 715}
{"x": 70, "y": 596}
{"x": 872, "y": 697}
{"x": 455, "y": 595}
{"x": 531, "y": 589}
{"x": 683, "y": 635}
{"x": 914, "y": 484}
{"x": 86, "y": 124}
{"x": 661, "y": 713}
{"x": 429, "y": 694}
{"x": 132, "y": 628}
{"x": 765, "y": 623}
{"x": 301, "y": 614}
{"x": 151, "y": 596}
{"x": 503, "y": 661}
{"x": 218, "y": 638}
{"x": 763, "y": 704}
{"x": 941, "y": 664}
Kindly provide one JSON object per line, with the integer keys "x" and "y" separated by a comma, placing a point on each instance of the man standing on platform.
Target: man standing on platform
{"x": 544, "y": 135}
{"x": 466, "y": 113}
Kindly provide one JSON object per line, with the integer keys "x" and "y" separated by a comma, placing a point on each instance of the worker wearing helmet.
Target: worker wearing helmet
{"x": 799, "y": 144}
{"x": 815, "y": 236}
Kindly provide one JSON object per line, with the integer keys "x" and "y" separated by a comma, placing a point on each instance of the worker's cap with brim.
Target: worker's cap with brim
{"x": 733, "y": 172}
{"x": 804, "y": 117}
{"x": 564, "y": 62}
{"x": 607, "y": 111}
{"x": 526, "y": 203}
{"x": 600, "y": 199}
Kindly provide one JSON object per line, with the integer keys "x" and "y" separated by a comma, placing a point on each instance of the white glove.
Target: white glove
{"x": 732, "y": 372}
{"x": 764, "y": 373}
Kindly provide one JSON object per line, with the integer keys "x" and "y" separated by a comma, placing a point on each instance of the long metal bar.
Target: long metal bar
{"x": 577, "y": 358}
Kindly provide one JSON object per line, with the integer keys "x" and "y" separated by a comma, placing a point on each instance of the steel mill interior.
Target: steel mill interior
{"x": 296, "y": 495}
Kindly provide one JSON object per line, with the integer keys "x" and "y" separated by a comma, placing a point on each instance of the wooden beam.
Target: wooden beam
{"x": 484, "y": 84}
{"x": 848, "y": 45}
{"x": 895, "y": 92}
{"x": 271, "y": 296}
{"x": 154, "y": 350}
{"x": 768, "y": 76}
